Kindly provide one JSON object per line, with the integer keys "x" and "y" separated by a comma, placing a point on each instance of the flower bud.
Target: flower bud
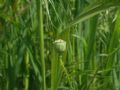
{"x": 60, "y": 45}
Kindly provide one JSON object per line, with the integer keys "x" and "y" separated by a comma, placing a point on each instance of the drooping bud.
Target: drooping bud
{"x": 60, "y": 45}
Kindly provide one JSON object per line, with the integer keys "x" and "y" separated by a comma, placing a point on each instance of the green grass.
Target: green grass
{"x": 31, "y": 59}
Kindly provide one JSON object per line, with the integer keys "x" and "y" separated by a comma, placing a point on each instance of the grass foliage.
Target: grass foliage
{"x": 59, "y": 45}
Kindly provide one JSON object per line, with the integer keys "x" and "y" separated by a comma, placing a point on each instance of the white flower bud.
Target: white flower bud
{"x": 60, "y": 45}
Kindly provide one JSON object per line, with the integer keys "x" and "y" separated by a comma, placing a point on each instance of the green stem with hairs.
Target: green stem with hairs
{"x": 65, "y": 71}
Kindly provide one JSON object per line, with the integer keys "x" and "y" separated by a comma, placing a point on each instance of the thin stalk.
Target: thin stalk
{"x": 41, "y": 32}
{"x": 26, "y": 77}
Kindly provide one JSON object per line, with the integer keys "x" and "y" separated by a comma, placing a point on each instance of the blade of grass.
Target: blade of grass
{"x": 92, "y": 11}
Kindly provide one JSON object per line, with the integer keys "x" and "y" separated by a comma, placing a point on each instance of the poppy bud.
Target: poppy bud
{"x": 60, "y": 45}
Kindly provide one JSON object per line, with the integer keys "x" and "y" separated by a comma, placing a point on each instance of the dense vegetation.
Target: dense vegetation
{"x": 59, "y": 45}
